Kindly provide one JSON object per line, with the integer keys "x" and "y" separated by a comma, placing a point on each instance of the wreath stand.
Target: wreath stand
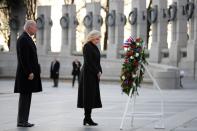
{"x": 160, "y": 124}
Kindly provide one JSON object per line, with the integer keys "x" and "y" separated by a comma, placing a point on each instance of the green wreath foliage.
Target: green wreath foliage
{"x": 132, "y": 71}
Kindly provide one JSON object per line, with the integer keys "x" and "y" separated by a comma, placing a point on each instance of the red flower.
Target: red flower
{"x": 129, "y": 53}
{"x": 135, "y": 63}
{"x": 126, "y": 61}
{"x": 138, "y": 39}
{"x": 130, "y": 82}
{"x": 132, "y": 46}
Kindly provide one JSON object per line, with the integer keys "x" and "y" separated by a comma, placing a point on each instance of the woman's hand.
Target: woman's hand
{"x": 99, "y": 75}
{"x": 31, "y": 76}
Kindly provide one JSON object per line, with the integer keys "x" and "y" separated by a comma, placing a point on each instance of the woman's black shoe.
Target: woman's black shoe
{"x": 89, "y": 121}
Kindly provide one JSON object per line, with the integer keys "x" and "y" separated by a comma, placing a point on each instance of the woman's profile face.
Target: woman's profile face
{"x": 96, "y": 40}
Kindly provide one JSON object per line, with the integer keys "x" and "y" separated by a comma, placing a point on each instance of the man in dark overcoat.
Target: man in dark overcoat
{"x": 76, "y": 71}
{"x": 28, "y": 78}
{"x": 54, "y": 72}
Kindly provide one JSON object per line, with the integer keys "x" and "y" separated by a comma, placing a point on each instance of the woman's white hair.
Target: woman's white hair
{"x": 91, "y": 35}
{"x": 28, "y": 23}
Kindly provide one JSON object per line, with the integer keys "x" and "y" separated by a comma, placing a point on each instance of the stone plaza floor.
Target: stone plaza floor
{"x": 54, "y": 109}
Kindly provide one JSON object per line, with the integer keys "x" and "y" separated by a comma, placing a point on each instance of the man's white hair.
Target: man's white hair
{"x": 28, "y": 23}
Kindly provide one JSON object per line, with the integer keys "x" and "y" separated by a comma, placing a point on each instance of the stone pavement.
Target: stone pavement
{"x": 55, "y": 108}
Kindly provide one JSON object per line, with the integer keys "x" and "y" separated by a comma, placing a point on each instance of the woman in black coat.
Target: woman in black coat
{"x": 89, "y": 92}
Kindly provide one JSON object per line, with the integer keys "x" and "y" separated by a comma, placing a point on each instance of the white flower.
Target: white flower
{"x": 131, "y": 57}
{"x": 123, "y": 77}
{"x": 137, "y": 54}
{"x": 134, "y": 75}
{"x": 137, "y": 44}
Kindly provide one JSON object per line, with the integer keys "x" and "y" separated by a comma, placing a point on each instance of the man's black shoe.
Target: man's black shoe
{"x": 25, "y": 124}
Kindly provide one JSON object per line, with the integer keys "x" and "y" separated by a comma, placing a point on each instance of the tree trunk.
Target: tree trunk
{"x": 31, "y": 9}
{"x": 106, "y": 27}
{"x": 148, "y": 24}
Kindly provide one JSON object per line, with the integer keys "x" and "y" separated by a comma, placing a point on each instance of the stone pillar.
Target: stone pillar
{"x": 16, "y": 24}
{"x": 13, "y": 40}
{"x": 43, "y": 35}
{"x": 133, "y": 16}
{"x": 192, "y": 43}
{"x": 94, "y": 9}
{"x": 142, "y": 21}
{"x": 159, "y": 32}
{"x": 179, "y": 33}
{"x": 93, "y": 19}
{"x": 138, "y": 22}
{"x": 68, "y": 23}
{"x": 115, "y": 28}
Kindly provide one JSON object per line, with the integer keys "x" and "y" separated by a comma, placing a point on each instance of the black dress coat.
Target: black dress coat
{"x": 54, "y": 70}
{"x": 89, "y": 92}
{"x": 76, "y": 68}
{"x": 27, "y": 63}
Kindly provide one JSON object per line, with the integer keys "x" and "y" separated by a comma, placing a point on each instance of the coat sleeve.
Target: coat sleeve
{"x": 100, "y": 68}
{"x": 24, "y": 55}
{"x": 51, "y": 70}
{"x": 87, "y": 52}
{"x": 58, "y": 66}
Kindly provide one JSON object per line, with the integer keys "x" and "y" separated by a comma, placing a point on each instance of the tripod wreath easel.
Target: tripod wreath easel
{"x": 135, "y": 114}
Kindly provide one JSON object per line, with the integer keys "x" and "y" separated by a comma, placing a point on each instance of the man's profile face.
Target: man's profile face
{"x": 33, "y": 29}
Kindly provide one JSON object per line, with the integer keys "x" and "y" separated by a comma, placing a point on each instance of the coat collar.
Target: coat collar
{"x": 26, "y": 33}
{"x": 92, "y": 44}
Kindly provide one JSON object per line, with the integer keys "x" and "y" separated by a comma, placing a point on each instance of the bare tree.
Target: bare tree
{"x": 31, "y": 8}
{"x": 4, "y": 25}
{"x": 10, "y": 6}
{"x": 106, "y": 9}
{"x": 148, "y": 23}
{"x": 69, "y": 1}
{"x": 16, "y": 8}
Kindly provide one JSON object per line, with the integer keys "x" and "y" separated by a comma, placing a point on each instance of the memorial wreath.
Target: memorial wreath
{"x": 132, "y": 71}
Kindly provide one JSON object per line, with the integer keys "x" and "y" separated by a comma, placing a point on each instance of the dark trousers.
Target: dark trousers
{"x": 181, "y": 85}
{"x": 55, "y": 81}
{"x": 24, "y": 107}
{"x": 74, "y": 78}
{"x": 87, "y": 112}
